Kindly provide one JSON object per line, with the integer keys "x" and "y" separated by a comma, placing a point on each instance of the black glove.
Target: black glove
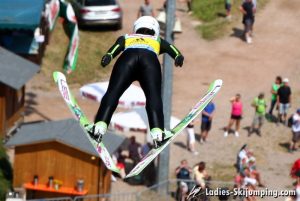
{"x": 106, "y": 59}
{"x": 179, "y": 60}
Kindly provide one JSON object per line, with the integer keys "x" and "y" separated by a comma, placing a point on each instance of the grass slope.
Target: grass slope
{"x": 92, "y": 45}
{"x": 212, "y": 13}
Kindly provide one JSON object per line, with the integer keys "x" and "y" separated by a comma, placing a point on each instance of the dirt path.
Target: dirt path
{"x": 245, "y": 69}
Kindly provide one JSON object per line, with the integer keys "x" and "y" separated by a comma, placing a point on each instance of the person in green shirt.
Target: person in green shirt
{"x": 275, "y": 87}
{"x": 259, "y": 103}
{"x": 228, "y": 8}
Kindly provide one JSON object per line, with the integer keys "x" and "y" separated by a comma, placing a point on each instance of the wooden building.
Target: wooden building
{"x": 62, "y": 151}
{"x": 14, "y": 73}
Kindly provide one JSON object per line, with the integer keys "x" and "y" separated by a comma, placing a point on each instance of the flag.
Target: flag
{"x": 51, "y": 12}
{"x": 67, "y": 12}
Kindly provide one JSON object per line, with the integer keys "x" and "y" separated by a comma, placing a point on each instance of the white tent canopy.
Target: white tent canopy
{"x": 132, "y": 97}
{"x": 134, "y": 120}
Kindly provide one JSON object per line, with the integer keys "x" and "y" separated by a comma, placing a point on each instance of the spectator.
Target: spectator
{"x": 146, "y": 9}
{"x": 253, "y": 1}
{"x": 200, "y": 175}
{"x": 295, "y": 173}
{"x": 121, "y": 163}
{"x": 133, "y": 149}
{"x": 252, "y": 168}
{"x": 238, "y": 180}
{"x": 295, "y": 170}
{"x": 248, "y": 10}
{"x": 274, "y": 90}
{"x": 238, "y": 183}
{"x": 206, "y": 121}
{"x": 236, "y": 115}
{"x": 260, "y": 106}
{"x": 297, "y": 188}
{"x": 284, "y": 100}
{"x": 245, "y": 180}
{"x": 149, "y": 171}
{"x": 191, "y": 138}
{"x": 242, "y": 158}
{"x": 161, "y": 18}
{"x": 246, "y": 160}
{"x": 295, "y": 131}
{"x": 228, "y": 9}
{"x": 290, "y": 198}
{"x": 189, "y": 6}
{"x": 183, "y": 172}
{"x": 145, "y": 149}
{"x": 249, "y": 183}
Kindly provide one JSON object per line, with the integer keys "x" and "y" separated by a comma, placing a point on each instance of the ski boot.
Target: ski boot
{"x": 97, "y": 131}
{"x": 160, "y": 137}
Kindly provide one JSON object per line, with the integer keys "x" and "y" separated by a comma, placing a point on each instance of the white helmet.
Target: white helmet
{"x": 146, "y": 22}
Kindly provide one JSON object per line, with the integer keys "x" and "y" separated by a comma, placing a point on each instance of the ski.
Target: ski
{"x": 195, "y": 111}
{"x": 71, "y": 102}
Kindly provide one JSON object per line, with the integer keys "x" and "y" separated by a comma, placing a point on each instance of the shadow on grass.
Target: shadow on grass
{"x": 198, "y": 137}
{"x": 238, "y": 33}
{"x": 271, "y": 118}
{"x": 30, "y": 104}
{"x": 231, "y": 131}
{"x": 180, "y": 144}
{"x": 181, "y": 10}
{"x": 251, "y": 132}
{"x": 220, "y": 14}
{"x": 285, "y": 145}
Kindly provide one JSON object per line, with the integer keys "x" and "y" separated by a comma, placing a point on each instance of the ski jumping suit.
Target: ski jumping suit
{"x": 139, "y": 61}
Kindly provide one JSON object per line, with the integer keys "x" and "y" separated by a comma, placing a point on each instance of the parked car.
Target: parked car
{"x": 98, "y": 12}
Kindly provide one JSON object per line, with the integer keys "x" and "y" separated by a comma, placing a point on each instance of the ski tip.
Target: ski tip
{"x": 215, "y": 83}
{"x": 56, "y": 75}
{"x": 218, "y": 82}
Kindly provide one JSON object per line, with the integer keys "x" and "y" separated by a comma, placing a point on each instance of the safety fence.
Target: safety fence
{"x": 181, "y": 190}
{"x": 170, "y": 190}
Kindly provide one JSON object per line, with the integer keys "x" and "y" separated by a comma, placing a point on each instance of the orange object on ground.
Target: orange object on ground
{"x": 64, "y": 190}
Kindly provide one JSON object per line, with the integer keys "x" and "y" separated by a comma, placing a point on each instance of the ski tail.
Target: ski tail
{"x": 64, "y": 90}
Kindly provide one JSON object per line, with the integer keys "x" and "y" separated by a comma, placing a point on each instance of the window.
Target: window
{"x": 99, "y": 2}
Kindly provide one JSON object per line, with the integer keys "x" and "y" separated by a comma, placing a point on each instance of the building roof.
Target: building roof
{"x": 15, "y": 71}
{"x": 20, "y": 14}
{"x": 67, "y": 132}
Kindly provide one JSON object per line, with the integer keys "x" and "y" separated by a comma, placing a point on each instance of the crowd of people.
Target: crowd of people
{"x": 190, "y": 178}
{"x": 280, "y": 99}
{"x": 247, "y": 8}
{"x": 196, "y": 180}
{"x": 127, "y": 157}
{"x": 247, "y": 174}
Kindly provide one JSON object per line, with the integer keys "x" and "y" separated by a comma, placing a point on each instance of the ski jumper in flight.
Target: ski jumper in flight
{"x": 138, "y": 62}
